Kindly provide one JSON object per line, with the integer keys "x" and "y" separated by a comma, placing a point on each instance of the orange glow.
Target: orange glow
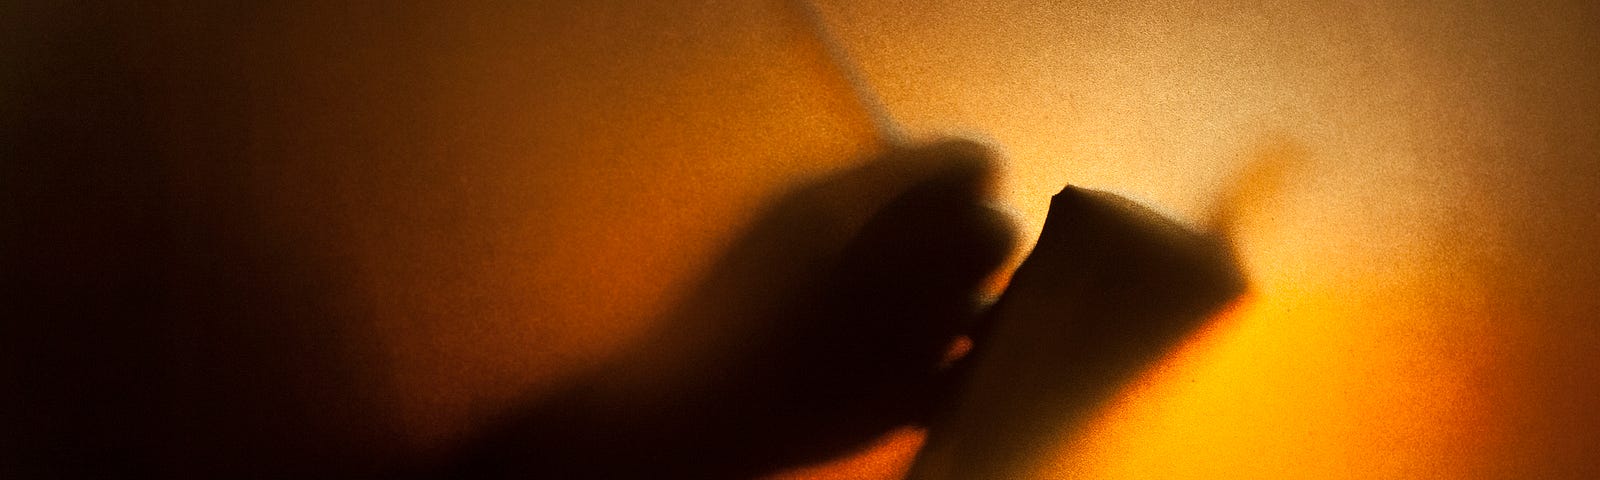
{"x": 1285, "y": 378}
{"x": 889, "y": 457}
{"x": 386, "y": 226}
{"x": 1423, "y": 270}
{"x": 1420, "y": 279}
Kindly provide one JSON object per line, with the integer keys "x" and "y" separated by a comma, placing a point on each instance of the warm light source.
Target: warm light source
{"x": 1420, "y": 304}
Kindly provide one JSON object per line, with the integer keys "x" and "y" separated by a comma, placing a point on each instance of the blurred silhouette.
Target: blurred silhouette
{"x": 829, "y": 323}
{"x": 1110, "y": 287}
{"x": 823, "y": 327}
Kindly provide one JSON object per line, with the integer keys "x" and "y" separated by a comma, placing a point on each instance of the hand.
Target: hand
{"x": 826, "y": 325}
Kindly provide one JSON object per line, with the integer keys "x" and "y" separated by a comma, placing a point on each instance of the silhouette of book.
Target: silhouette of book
{"x": 1110, "y": 287}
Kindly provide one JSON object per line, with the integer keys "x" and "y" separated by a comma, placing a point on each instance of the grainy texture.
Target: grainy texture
{"x": 324, "y": 237}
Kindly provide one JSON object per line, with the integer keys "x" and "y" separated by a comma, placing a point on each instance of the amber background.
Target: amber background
{"x": 323, "y": 239}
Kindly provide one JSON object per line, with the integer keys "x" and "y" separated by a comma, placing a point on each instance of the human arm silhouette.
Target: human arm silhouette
{"x": 824, "y": 326}
{"x": 829, "y": 322}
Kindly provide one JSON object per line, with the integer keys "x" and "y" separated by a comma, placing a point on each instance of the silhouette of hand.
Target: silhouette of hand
{"x": 826, "y": 325}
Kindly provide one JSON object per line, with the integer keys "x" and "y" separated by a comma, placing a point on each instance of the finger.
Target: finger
{"x": 932, "y": 246}
{"x": 843, "y": 202}
{"x": 967, "y": 166}
{"x": 799, "y": 240}
{"x": 906, "y": 286}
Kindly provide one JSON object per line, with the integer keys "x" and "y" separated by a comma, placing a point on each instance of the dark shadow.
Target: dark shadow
{"x": 1108, "y": 290}
{"x": 825, "y": 326}
{"x": 828, "y": 324}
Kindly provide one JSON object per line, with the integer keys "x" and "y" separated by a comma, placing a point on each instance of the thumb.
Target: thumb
{"x": 906, "y": 286}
